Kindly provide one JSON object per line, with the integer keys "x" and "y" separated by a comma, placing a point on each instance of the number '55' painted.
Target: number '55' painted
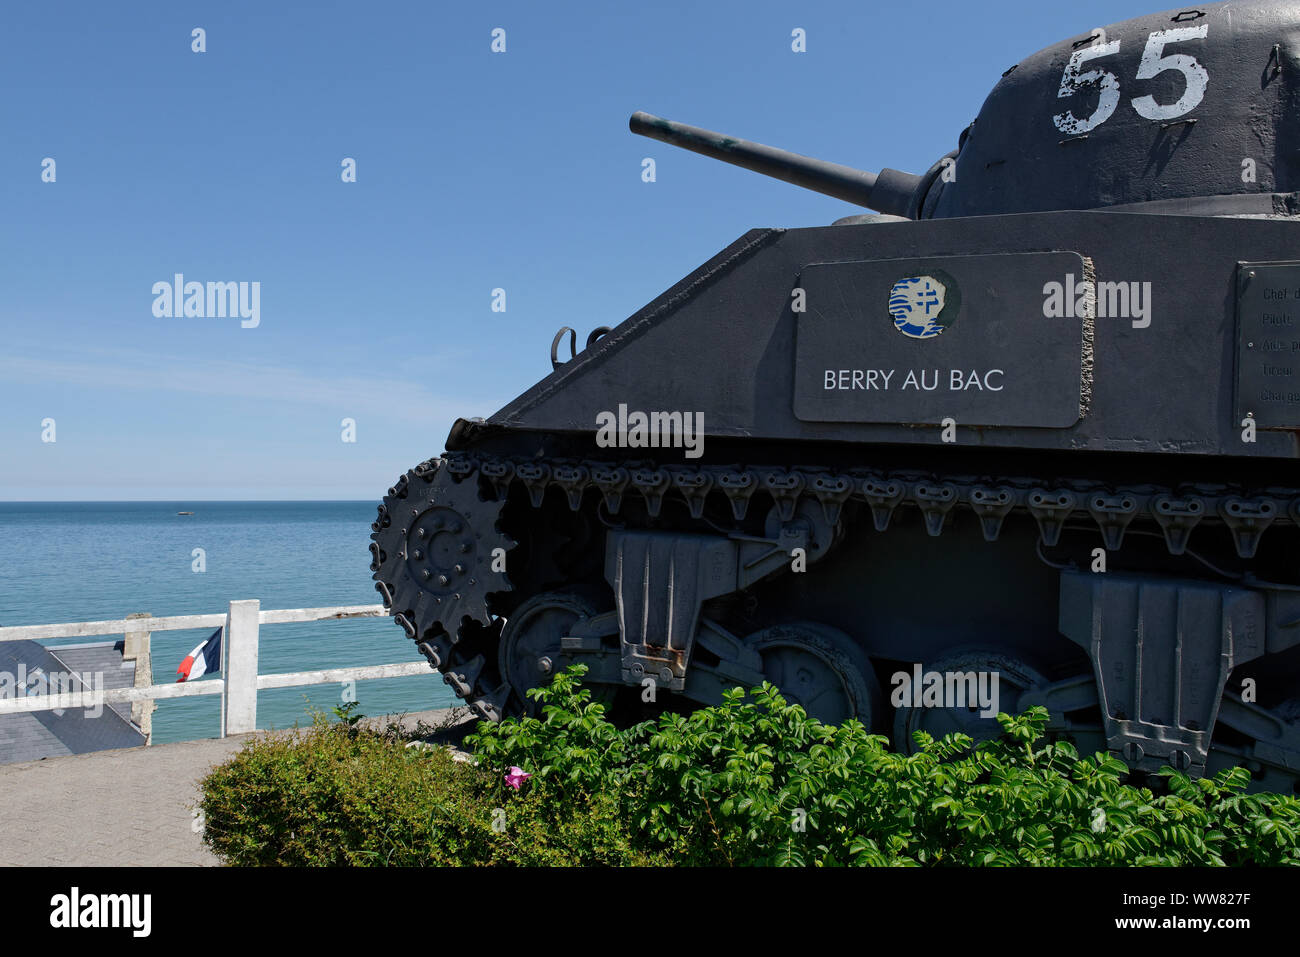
{"x": 1153, "y": 64}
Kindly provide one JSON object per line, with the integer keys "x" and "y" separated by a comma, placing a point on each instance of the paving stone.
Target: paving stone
{"x": 128, "y": 807}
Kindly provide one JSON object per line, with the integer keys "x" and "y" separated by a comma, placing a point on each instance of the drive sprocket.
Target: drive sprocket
{"x": 438, "y": 554}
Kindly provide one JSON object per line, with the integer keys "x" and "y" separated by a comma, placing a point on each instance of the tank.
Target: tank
{"x": 1024, "y": 435}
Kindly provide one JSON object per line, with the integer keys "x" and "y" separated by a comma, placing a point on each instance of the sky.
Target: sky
{"x": 475, "y": 170}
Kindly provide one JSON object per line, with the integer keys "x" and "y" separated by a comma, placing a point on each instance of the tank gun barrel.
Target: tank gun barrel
{"x": 889, "y": 191}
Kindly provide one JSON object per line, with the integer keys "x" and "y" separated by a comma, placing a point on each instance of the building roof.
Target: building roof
{"x": 26, "y": 668}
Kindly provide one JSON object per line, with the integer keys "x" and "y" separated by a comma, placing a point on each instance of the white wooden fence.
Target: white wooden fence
{"x": 240, "y": 682}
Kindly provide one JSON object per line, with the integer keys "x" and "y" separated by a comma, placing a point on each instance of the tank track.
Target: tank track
{"x": 439, "y": 627}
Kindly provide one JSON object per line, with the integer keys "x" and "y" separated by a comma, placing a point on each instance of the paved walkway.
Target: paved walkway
{"x": 116, "y": 808}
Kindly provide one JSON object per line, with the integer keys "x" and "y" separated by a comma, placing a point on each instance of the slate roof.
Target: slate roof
{"x": 43, "y": 734}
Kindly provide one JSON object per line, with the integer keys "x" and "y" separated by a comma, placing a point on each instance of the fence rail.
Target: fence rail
{"x": 118, "y": 626}
{"x": 240, "y": 680}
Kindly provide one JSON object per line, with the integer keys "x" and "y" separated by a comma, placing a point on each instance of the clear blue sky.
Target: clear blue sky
{"x": 475, "y": 170}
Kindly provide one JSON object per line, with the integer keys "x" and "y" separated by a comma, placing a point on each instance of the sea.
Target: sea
{"x": 63, "y": 562}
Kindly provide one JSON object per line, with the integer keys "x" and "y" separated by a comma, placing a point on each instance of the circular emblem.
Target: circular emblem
{"x": 924, "y": 306}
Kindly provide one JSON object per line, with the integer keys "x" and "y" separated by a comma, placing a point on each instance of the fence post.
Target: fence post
{"x": 135, "y": 647}
{"x": 241, "y": 666}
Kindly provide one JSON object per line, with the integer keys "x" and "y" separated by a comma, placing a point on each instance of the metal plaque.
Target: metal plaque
{"x": 991, "y": 340}
{"x": 1268, "y": 344}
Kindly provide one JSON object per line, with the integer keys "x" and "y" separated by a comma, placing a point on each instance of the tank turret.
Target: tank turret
{"x": 1198, "y": 108}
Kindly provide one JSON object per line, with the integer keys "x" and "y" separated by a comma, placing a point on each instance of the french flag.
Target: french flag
{"x": 203, "y": 660}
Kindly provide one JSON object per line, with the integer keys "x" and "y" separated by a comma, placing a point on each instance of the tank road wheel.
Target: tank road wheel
{"x": 1273, "y": 759}
{"x": 1014, "y": 679}
{"x": 821, "y": 669}
{"x": 530, "y": 652}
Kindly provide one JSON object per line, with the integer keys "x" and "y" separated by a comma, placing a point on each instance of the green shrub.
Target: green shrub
{"x": 752, "y": 781}
{"x": 756, "y": 781}
{"x": 333, "y": 794}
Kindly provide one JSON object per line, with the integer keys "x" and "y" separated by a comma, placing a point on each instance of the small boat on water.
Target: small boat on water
{"x": 184, "y": 513}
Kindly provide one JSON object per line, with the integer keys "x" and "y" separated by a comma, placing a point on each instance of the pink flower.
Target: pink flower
{"x": 516, "y": 777}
